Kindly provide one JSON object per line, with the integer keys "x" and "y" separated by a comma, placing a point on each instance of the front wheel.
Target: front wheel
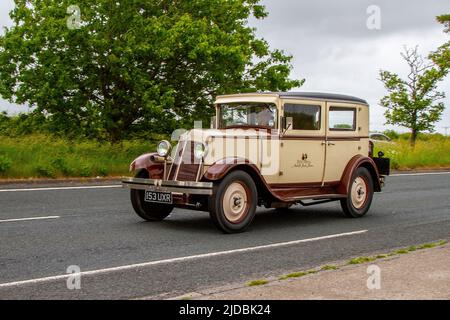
{"x": 360, "y": 194}
{"x": 147, "y": 210}
{"x": 233, "y": 205}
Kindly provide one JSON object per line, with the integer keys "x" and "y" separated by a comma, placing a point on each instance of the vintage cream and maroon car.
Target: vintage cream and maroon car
{"x": 265, "y": 149}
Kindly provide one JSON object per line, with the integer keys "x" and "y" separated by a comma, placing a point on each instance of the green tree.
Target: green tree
{"x": 114, "y": 67}
{"x": 442, "y": 55}
{"x": 445, "y": 20}
{"x": 413, "y": 102}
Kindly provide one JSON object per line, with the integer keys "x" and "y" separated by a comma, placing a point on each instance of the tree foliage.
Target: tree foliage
{"x": 442, "y": 55}
{"x": 135, "y": 65}
{"x": 445, "y": 20}
{"x": 28, "y": 123}
{"x": 413, "y": 102}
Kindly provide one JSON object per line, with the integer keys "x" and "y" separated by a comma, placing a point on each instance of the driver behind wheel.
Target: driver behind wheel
{"x": 265, "y": 118}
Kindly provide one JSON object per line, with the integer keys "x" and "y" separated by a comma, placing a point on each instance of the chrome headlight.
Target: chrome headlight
{"x": 164, "y": 148}
{"x": 200, "y": 150}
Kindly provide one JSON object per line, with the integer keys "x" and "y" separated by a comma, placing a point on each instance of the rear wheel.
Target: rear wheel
{"x": 233, "y": 205}
{"x": 360, "y": 194}
{"x": 147, "y": 210}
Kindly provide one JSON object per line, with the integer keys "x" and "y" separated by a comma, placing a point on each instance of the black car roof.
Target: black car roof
{"x": 320, "y": 96}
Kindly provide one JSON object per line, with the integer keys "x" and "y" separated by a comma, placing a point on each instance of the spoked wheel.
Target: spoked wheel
{"x": 233, "y": 206}
{"x": 147, "y": 210}
{"x": 360, "y": 194}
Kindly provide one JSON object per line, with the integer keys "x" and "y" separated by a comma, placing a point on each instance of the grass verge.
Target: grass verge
{"x": 257, "y": 283}
{"x": 432, "y": 154}
{"x": 41, "y": 156}
{"x": 354, "y": 261}
{"x": 45, "y": 156}
{"x": 360, "y": 260}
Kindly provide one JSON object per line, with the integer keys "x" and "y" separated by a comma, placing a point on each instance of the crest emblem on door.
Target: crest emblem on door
{"x": 304, "y": 163}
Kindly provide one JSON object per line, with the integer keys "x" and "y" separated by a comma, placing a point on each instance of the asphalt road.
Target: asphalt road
{"x": 126, "y": 258}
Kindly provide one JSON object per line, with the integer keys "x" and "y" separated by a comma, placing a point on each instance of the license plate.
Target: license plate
{"x": 158, "y": 197}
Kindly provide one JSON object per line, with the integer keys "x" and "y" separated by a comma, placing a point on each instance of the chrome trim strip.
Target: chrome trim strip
{"x": 165, "y": 174}
{"x": 318, "y": 197}
{"x": 168, "y": 183}
{"x": 175, "y": 177}
{"x": 173, "y": 161}
{"x": 207, "y": 192}
{"x": 200, "y": 170}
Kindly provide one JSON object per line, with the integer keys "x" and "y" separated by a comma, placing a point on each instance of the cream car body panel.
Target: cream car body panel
{"x": 303, "y": 151}
{"x": 343, "y": 145}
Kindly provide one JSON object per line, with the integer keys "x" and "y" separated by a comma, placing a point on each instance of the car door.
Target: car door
{"x": 302, "y": 146}
{"x": 342, "y": 139}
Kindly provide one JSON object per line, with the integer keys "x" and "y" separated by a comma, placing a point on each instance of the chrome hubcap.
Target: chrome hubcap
{"x": 359, "y": 192}
{"x": 235, "y": 202}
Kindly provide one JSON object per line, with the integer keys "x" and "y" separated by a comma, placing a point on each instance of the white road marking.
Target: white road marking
{"x": 419, "y": 174}
{"x": 175, "y": 260}
{"x": 29, "y": 219}
{"x": 62, "y": 188}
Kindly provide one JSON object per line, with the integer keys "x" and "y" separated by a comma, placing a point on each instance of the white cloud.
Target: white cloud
{"x": 335, "y": 52}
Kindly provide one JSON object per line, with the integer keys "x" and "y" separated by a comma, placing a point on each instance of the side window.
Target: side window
{"x": 304, "y": 117}
{"x": 342, "y": 119}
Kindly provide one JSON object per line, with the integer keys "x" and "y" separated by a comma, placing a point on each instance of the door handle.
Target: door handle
{"x": 328, "y": 143}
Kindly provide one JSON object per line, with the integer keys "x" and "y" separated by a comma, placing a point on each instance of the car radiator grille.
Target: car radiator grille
{"x": 185, "y": 167}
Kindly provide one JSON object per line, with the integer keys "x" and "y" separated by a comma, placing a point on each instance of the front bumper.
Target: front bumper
{"x": 184, "y": 187}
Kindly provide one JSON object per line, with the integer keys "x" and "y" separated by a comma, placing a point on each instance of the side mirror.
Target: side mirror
{"x": 213, "y": 122}
{"x": 286, "y": 123}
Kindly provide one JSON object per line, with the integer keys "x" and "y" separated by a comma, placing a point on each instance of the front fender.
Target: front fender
{"x": 222, "y": 167}
{"x": 144, "y": 162}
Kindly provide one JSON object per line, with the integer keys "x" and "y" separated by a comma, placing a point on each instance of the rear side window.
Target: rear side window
{"x": 304, "y": 117}
{"x": 342, "y": 119}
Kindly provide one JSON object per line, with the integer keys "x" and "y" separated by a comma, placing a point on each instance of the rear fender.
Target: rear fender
{"x": 355, "y": 163}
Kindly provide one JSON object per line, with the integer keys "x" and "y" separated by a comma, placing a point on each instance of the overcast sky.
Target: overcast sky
{"x": 334, "y": 49}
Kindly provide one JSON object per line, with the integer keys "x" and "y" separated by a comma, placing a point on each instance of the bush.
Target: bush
{"x": 431, "y": 137}
{"x": 45, "y": 171}
{"x": 85, "y": 171}
{"x": 102, "y": 171}
{"x": 391, "y": 134}
{"x": 61, "y": 164}
{"x": 5, "y": 163}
